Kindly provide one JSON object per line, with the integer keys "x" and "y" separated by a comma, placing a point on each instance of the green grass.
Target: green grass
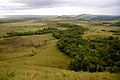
{"x": 44, "y": 73}
{"x": 20, "y": 26}
{"x": 18, "y": 58}
{"x": 95, "y": 29}
{"x": 37, "y": 57}
{"x": 36, "y": 50}
{"x": 24, "y": 27}
{"x": 94, "y": 32}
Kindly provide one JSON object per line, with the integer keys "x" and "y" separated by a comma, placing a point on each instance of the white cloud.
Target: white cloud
{"x": 56, "y": 11}
{"x": 12, "y": 6}
{"x": 59, "y": 7}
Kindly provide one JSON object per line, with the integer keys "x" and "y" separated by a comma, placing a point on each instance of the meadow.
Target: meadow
{"x": 37, "y": 57}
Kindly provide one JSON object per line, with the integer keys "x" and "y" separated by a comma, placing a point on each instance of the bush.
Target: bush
{"x": 101, "y": 54}
{"x": 39, "y": 32}
{"x": 115, "y": 24}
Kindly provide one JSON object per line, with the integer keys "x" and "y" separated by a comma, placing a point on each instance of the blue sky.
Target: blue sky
{"x": 59, "y": 7}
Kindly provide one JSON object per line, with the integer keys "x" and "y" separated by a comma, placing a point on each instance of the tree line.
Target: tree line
{"x": 116, "y": 24}
{"x": 38, "y": 32}
{"x": 98, "y": 55}
{"x": 101, "y": 54}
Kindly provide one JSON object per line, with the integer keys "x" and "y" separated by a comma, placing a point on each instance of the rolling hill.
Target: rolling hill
{"x": 97, "y": 17}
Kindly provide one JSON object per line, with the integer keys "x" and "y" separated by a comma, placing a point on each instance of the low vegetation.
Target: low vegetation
{"x": 38, "y": 32}
{"x": 44, "y": 73}
{"x": 115, "y": 24}
{"x": 37, "y": 51}
{"x": 11, "y": 20}
{"x": 89, "y": 55}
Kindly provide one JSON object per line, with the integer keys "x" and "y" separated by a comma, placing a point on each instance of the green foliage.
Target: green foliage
{"x": 69, "y": 39}
{"x": 102, "y": 54}
{"x": 115, "y": 24}
{"x": 38, "y": 32}
{"x": 115, "y": 31}
{"x": 42, "y": 58}
{"x": 11, "y": 20}
{"x": 67, "y": 25}
{"x": 99, "y": 55}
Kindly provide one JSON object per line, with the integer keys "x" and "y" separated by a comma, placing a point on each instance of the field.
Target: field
{"x": 37, "y": 57}
{"x": 96, "y": 29}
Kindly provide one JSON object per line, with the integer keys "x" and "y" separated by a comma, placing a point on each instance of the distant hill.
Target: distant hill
{"x": 24, "y": 16}
{"x": 64, "y": 17}
{"x": 43, "y": 17}
{"x": 97, "y": 17}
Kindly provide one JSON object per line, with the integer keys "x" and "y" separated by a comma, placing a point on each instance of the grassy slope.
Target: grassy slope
{"x": 23, "y": 27}
{"x": 48, "y": 63}
{"x": 30, "y": 72}
{"x": 19, "y": 59}
{"x": 95, "y": 29}
{"x": 46, "y": 54}
{"x": 19, "y": 26}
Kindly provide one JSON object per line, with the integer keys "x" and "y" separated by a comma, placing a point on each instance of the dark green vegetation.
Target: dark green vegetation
{"x": 102, "y": 54}
{"x": 97, "y": 17}
{"x": 11, "y": 20}
{"x": 38, "y": 32}
{"x": 25, "y": 55}
{"x": 116, "y": 24}
{"x": 97, "y": 55}
{"x": 115, "y": 32}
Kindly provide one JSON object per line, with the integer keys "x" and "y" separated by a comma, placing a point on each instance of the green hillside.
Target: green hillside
{"x": 37, "y": 57}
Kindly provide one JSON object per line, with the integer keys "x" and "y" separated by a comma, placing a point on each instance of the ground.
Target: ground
{"x": 36, "y": 57}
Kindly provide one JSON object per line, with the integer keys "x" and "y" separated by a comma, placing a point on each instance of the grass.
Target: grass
{"x": 24, "y": 27}
{"x": 28, "y": 58}
{"x": 45, "y": 73}
{"x": 96, "y": 29}
{"x": 37, "y": 50}
{"x": 20, "y": 26}
{"x": 37, "y": 57}
{"x": 101, "y": 31}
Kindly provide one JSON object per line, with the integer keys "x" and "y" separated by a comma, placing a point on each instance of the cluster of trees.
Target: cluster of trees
{"x": 11, "y": 20}
{"x": 29, "y": 26}
{"x": 69, "y": 33}
{"x": 38, "y": 32}
{"x": 97, "y": 55}
{"x": 115, "y": 31}
{"x": 67, "y": 25}
{"x": 105, "y": 18}
{"x": 69, "y": 40}
{"x": 101, "y": 54}
{"x": 115, "y": 24}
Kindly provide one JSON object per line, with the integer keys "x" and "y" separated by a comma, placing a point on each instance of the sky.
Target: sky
{"x": 59, "y": 7}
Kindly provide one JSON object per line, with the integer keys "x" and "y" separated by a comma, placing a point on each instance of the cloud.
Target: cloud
{"x": 101, "y": 6}
{"x": 56, "y": 11}
{"x": 58, "y": 3}
{"x": 12, "y": 6}
{"x": 98, "y": 3}
{"x": 39, "y": 3}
